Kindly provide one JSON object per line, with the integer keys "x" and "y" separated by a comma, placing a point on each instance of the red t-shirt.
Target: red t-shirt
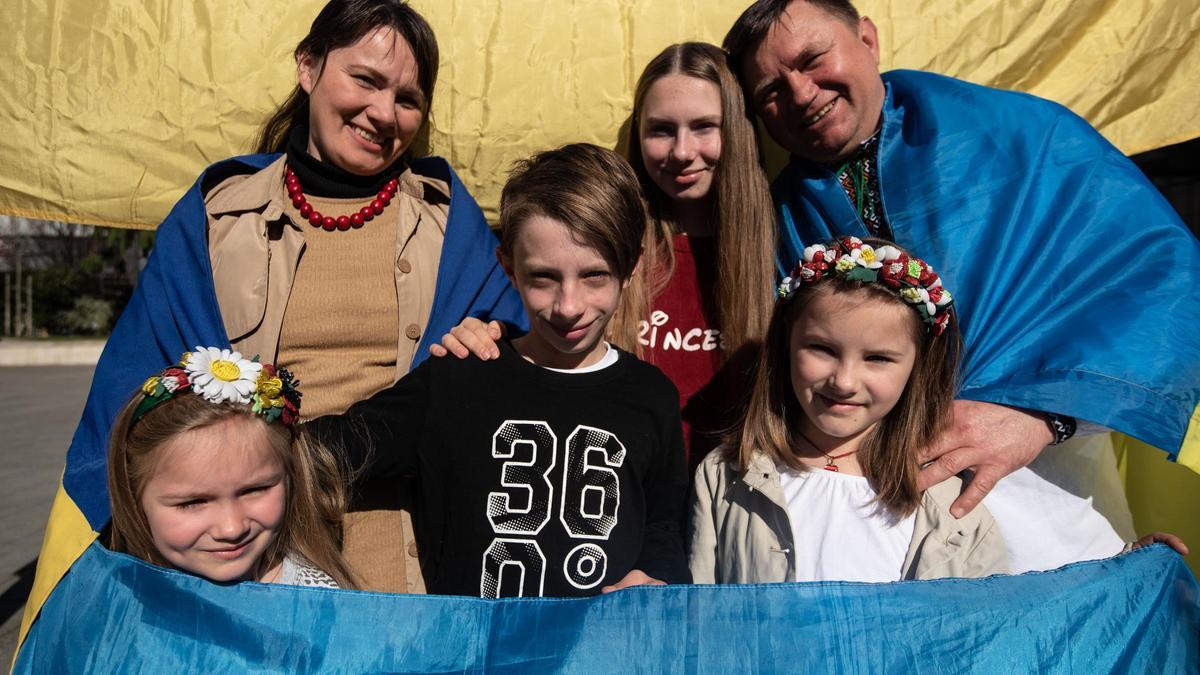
{"x": 682, "y": 338}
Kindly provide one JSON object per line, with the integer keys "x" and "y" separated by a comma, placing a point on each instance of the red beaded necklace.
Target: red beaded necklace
{"x": 829, "y": 459}
{"x": 343, "y": 223}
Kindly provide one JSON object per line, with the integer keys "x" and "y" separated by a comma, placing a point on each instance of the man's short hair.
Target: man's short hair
{"x": 752, "y": 26}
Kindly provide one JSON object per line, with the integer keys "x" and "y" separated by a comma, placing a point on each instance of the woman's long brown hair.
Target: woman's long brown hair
{"x": 740, "y": 209}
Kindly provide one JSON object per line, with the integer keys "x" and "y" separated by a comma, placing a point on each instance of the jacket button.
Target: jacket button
{"x": 413, "y": 331}
{"x": 404, "y": 266}
{"x": 412, "y": 549}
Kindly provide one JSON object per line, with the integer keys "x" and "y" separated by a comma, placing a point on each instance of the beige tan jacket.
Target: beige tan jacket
{"x": 254, "y": 248}
{"x": 740, "y": 532}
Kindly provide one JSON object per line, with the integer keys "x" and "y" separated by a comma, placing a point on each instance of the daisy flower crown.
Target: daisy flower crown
{"x": 848, "y": 257}
{"x": 219, "y": 375}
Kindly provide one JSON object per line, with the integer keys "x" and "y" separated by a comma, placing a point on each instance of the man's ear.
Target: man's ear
{"x": 308, "y": 71}
{"x": 869, "y": 35}
{"x": 506, "y": 265}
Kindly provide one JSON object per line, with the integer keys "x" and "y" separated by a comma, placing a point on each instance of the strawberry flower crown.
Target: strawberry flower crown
{"x": 219, "y": 375}
{"x": 848, "y": 257}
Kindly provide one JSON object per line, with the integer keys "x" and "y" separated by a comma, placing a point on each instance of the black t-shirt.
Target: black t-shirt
{"x": 532, "y": 482}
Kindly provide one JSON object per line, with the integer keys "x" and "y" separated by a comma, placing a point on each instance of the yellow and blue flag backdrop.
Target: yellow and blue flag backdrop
{"x": 112, "y": 107}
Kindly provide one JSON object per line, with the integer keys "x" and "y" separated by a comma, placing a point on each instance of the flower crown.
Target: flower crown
{"x": 223, "y": 375}
{"x": 913, "y": 279}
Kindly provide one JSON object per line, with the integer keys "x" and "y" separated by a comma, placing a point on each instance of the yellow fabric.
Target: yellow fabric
{"x": 111, "y": 108}
{"x": 1189, "y": 453}
{"x": 67, "y": 536}
{"x": 1163, "y": 496}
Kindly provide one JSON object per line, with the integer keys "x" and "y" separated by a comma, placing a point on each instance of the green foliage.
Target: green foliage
{"x": 88, "y": 316}
{"x": 54, "y": 292}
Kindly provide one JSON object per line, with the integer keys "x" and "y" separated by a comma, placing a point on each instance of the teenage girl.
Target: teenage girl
{"x": 817, "y": 481}
{"x": 702, "y": 291}
{"x": 208, "y": 474}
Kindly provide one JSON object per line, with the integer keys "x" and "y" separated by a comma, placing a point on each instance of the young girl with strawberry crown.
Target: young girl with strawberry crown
{"x": 818, "y": 479}
{"x": 208, "y": 474}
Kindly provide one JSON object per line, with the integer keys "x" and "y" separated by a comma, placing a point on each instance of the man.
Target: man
{"x": 1068, "y": 268}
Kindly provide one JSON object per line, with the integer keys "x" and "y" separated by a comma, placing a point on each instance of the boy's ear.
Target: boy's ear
{"x": 505, "y": 263}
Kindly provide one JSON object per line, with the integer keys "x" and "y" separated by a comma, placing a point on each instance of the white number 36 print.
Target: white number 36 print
{"x": 590, "y": 497}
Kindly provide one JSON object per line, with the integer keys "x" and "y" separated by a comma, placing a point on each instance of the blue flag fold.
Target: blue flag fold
{"x": 1076, "y": 283}
{"x": 1138, "y": 612}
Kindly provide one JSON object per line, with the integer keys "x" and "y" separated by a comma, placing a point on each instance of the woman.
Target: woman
{"x": 704, "y": 292}
{"x": 336, "y": 259}
{"x": 709, "y": 261}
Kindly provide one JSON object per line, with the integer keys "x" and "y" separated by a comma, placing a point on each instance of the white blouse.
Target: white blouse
{"x": 840, "y": 532}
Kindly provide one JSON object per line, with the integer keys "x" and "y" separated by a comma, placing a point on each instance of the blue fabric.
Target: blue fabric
{"x": 1134, "y": 613}
{"x": 1075, "y": 281}
{"x": 174, "y": 308}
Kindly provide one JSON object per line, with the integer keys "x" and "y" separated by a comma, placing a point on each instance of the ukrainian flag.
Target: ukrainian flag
{"x": 113, "y": 107}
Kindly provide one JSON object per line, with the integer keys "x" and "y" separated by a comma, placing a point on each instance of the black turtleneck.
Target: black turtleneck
{"x": 321, "y": 179}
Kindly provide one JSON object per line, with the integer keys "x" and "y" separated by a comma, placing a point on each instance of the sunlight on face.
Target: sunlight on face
{"x": 679, "y": 128}
{"x": 569, "y": 290}
{"x": 851, "y": 357}
{"x": 215, "y": 500}
{"x": 364, "y": 103}
{"x": 815, "y": 83}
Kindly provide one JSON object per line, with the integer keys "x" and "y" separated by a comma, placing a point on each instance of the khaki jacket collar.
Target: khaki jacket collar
{"x": 261, "y": 191}
{"x": 763, "y": 476}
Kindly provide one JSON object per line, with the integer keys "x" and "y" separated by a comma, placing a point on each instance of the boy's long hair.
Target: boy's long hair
{"x": 740, "y": 209}
{"x": 315, "y": 492}
{"x": 590, "y": 190}
{"x": 888, "y": 455}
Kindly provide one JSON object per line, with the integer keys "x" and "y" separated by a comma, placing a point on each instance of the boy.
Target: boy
{"x": 558, "y": 468}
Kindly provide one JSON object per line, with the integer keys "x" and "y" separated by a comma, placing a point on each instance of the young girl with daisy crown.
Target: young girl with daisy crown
{"x": 818, "y": 480}
{"x": 208, "y": 474}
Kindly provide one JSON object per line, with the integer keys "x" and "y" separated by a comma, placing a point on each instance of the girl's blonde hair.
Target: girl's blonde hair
{"x": 315, "y": 492}
{"x": 740, "y": 208}
{"x": 888, "y": 455}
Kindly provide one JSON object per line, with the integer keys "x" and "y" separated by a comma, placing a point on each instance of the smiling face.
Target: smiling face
{"x": 851, "y": 357}
{"x": 680, "y": 133}
{"x": 814, "y": 81}
{"x": 569, "y": 290}
{"x": 215, "y": 500}
{"x": 365, "y": 105}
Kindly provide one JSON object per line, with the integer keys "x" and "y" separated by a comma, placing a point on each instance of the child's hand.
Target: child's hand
{"x": 472, "y": 336}
{"x": 634, "y": 578}
{"x": 1162, "y": 538}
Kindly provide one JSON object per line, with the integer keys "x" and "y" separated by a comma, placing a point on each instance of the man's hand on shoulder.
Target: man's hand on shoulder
{"x": 989, "y": 439}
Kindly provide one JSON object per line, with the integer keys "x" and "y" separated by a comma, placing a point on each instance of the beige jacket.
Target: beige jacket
{"x": 255, "y": 246}
{"x": 741, "y": 532}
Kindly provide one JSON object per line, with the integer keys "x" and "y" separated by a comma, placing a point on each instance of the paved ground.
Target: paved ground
{"x": 39, "y": 408}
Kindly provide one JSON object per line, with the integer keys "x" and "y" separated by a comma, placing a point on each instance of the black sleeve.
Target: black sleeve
{"x": 666, "y": 488}
{"x": 380, "y": 436}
